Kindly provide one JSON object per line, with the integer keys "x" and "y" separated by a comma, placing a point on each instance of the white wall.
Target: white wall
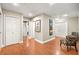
{"x": 45, "y": 29}
{"x": 0, "y": 9}
{"x": 1, "y": 27}
{"x": 60, "y": 27}
{"x": 65, "y": 29}
{"x": 78, "y": 24}
{"x": 38, "y": 35}
{"x": 72, "y": 24}
{"x": 1, "y": 30}
{"x": 44, "y": 34}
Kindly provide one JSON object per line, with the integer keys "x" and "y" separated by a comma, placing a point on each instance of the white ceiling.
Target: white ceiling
{"x": 57, "y": 9}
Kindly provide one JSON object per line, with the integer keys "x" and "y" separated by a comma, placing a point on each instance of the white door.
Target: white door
{"x": 1, "y": 27}
{"x": 60, "y": 29}
{"x": 32, "y": 29}
{"x": 12, "y": 30}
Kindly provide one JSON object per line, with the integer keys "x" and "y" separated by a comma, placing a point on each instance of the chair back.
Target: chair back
{"x": 75, "y": 33}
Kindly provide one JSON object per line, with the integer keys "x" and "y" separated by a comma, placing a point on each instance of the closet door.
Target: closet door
{"x": 12, "y": 30}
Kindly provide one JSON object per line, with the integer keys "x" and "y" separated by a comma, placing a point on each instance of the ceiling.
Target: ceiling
{"x": 57, "y": 9}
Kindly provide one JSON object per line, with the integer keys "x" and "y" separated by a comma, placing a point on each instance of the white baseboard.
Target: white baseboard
{"x": 39, "y": 41}
{"x": 21, "y": 41}
{"x": 43, "y": 42}
{"x": 2, "y": 46}
{"x": 49, "y": 40}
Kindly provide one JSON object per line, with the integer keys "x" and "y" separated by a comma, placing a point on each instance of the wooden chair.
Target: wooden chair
{"x": 71, "y": 41}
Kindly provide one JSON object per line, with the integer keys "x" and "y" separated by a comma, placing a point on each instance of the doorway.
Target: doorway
{"x": 60, "y": 29}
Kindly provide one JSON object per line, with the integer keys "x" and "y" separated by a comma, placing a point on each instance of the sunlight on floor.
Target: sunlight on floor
{"x": 57, "y": 53}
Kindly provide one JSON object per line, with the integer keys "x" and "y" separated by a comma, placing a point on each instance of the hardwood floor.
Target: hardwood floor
{"x": 32, "y": 47}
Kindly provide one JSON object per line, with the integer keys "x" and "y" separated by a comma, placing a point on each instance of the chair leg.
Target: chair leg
{"x": 60, "y": 43}
{"x": 76, "y": 48}
{"x": 67, "y": 48}
{"x": 70, "y": 47}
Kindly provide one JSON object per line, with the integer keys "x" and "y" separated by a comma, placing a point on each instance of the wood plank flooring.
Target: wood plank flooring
{"x": 32, "y": 47}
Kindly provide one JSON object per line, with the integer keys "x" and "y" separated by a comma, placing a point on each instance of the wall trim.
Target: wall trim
{"x": 39, "y": 41}
{"x": 2, "y": 46}
{"x": 21, "y": 41}
{"x": 43, "y": 42}
{"x": 49, "y": 40}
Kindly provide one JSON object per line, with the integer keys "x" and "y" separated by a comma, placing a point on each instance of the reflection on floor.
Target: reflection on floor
{"x": 32, "y": 47}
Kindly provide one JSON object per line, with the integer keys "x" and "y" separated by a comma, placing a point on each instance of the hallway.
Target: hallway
{"x": 27, "y": 28}
{"x": 32, "y": 47}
